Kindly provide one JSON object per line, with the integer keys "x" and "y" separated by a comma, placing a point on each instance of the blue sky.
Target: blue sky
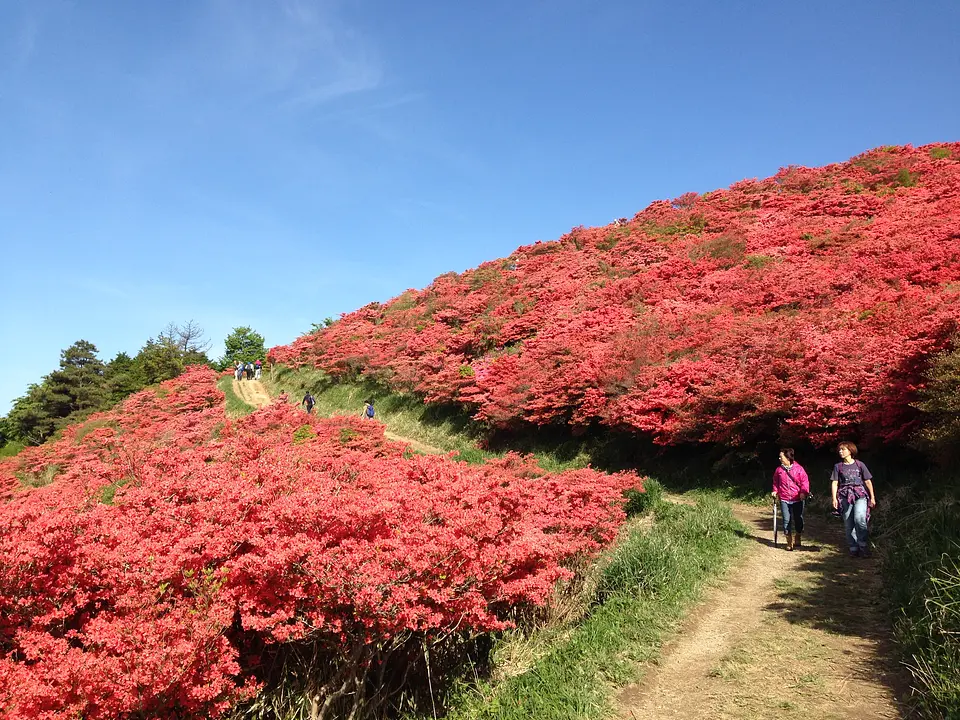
{"x": 273, "y": 162}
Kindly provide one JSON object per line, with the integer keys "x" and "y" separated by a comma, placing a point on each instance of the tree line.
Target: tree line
{"x": 84, "y": 384}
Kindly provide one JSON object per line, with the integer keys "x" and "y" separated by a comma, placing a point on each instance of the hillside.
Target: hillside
{"x": 206, "y": 548}
{"x": 805, "y": 306}
{"x": 162, "y": 559}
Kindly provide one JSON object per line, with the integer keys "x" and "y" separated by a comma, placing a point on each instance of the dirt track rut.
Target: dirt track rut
{"x": 252, "y": 392}
{"x": 787, "y": 634}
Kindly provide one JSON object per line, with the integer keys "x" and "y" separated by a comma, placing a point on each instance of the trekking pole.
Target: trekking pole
{"x": 774, "y": 521}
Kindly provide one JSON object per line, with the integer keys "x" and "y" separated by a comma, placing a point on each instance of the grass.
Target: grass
{"x": 920, "y": 541}
{"x": 644, "y": 586}
{"x": 448, "y": 428}
{"x": 38, "y": 479}
{"x": 824, "y": 618}
{"x": 236, "y": 407}
{"x": 11, "y": 449}
{"x": 91, "y": 425}
{"x": 108, "y": 492}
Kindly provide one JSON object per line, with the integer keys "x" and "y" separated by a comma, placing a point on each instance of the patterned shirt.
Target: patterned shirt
{"x": 854, "y": 473}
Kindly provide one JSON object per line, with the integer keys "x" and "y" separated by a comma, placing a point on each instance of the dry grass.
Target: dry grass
{"x": 38, "y": 479}
{"x": 820, "y": 650}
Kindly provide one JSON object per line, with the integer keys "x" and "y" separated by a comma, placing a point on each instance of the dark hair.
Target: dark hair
{"x": 788, "y": 453}
{"x": 849, "y": 446}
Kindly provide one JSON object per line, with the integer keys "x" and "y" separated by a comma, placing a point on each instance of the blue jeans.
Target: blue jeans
{"x": 792, "y": 516}
{"x": 855, "y": 523}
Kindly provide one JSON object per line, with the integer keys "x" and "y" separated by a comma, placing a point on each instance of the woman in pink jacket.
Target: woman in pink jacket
{"x": 791, "y": 486}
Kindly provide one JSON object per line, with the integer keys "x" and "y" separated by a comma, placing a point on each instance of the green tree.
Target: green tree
{"x": 69, "y": 393}
{"x": 317, "y": 327}
{"x": 124, "y": 376}
{"x": 79, "y": 385}
{"x": 176, "y": 347}
{"x": 84, "y": 384}
{"x": 160, "y": 360}
{"x": 940, "y": 401}
{"x": 28, "y": 420}
{"x": 242, "y": 344}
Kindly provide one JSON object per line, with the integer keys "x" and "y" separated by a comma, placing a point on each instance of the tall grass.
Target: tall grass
{"x": 645, "y": 584}
{"x": 920, "y": 541}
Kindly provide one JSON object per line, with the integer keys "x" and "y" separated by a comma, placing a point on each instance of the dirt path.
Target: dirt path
{"x": 415, "y": 445}
{"x": 786, "y": 635}
{"x": 252, "y": 392}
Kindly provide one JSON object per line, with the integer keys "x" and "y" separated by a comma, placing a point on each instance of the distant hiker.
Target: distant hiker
{"x": 791, "y": 486}
{"x": 257, "y": 367}
{"x": 368, "y": 411}
{"x": 851, "y": 485}
{"x": 249, "y": 369}
{"x": 308, "y": 402}
{"x": 238, "y": 372}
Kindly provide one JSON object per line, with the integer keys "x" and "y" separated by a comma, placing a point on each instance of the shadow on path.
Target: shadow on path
{"x": 831, "y": 591}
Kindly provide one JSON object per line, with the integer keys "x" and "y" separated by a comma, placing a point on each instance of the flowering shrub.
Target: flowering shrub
{"x": 175, "y": 547}
{"x": 803, "y": 305}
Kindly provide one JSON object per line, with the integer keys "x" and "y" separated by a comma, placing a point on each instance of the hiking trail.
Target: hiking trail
{"x": 252, "y": 392}
{"x": 415, "y": 445}
{"x": 800, "y": 634}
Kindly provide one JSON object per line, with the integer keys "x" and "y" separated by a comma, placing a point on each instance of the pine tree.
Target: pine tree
{"x": 79, "y": 386}
{"x": 242, "y": 344}
{"x": 124, "y": 376}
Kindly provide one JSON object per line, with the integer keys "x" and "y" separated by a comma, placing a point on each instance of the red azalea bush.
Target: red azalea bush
{"x": 803, "y": 305}
{"x": 175, "y": 545}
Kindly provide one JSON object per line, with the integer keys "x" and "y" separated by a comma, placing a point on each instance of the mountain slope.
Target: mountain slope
{"x": 805, "y": 305}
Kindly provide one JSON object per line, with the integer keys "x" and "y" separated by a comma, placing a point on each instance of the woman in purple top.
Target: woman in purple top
{"x": 791, "y": 486}
{"x": 851, "y": 485}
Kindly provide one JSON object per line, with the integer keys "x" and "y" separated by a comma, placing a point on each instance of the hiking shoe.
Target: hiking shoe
{"x": 855, "y": 552}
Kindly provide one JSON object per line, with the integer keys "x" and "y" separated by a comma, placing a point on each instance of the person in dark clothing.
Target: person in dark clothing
{"x": 851, "y": 486}
{"x": 308, "y": 402}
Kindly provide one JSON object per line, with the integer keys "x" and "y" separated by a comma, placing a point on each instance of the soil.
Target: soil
{"x": 801, "y": 634}
{"x": 252, "y": 392}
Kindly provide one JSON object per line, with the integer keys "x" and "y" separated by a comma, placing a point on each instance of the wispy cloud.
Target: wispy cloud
{"x": 26, "y": 40}
{"x": 354, "y": 80}
{"x": 25, "y": 30}
{"x": 297, "y": 53}
{"x": 94, "y": 286}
